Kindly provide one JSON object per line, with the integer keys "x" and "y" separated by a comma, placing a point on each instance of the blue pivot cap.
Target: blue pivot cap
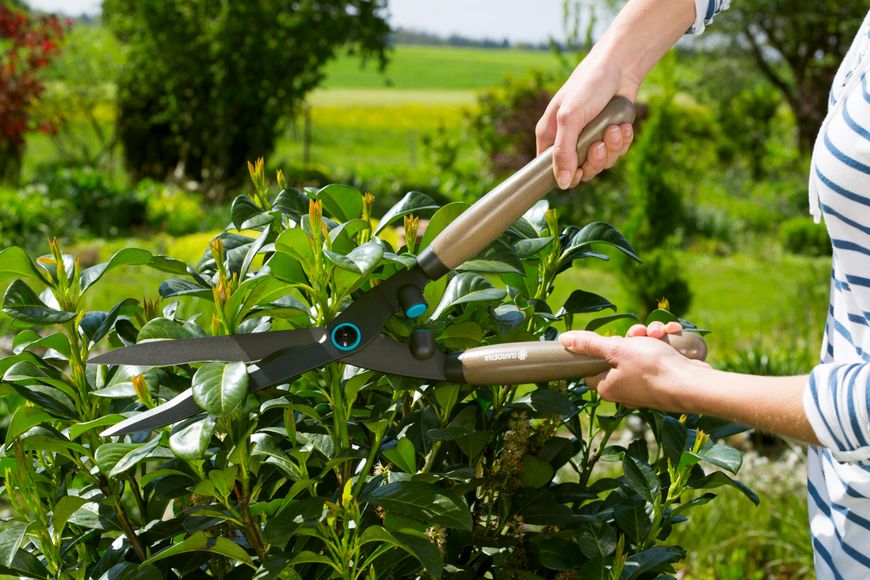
{"x": 412, "y": 301}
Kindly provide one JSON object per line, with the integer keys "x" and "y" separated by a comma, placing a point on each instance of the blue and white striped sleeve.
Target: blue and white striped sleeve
{"x": 705, "y": 10}
{"x": 837, "y": 401}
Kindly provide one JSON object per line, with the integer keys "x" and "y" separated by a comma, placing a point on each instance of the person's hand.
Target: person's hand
{"x": 586, "y": 92}
{"x": 645, "y": 371}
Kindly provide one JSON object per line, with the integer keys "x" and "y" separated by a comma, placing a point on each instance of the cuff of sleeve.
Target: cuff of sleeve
{"x": 704, "y": 12}
{"x": 835, "y": 404}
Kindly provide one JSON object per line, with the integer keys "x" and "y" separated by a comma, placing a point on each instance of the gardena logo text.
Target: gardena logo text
{"x": 516, "y": 355}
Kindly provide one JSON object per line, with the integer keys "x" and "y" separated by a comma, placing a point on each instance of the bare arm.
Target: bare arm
{"x": 649, "y": 373}
{"x": 637, "y": 39}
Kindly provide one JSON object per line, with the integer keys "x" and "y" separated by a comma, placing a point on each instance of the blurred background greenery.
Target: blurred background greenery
{"x": 139, "y": 122}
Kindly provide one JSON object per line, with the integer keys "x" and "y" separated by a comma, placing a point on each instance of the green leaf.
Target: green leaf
{"x": 423, "y": 501}
{"x": 550, "y": 402}
{"x": 462, "y": 424}
{"x": 581, "y": 301}
{"x": 341, "y": 201}
{"x": 597, "y": 540}
{"x": 95, "y": 325}
{"x": 124, "y": 257}
{"x": 21, "y": 303}
{"x": 296, "y": 243}
{"x": 641, "y": 478}
{"x": 133, "y": 457}
{"x": 651, "y": 559}
{"x": 537, "y": 216}
{"x": 77, "y": 429}
{"x": 496, "y": 258}
{"x": 440, "y": 220}
{"x": 179, "y": 287}
{"x": 527, "y": 248}
{"x": 29, "y": 340}
{"x": 191, "y": 441}
{"x": 590, "y": 235}
{"x": 403, "y": 455}
{"x": 599, "y": 322}
{"x": 63, "y": 509}
{"x": 291, "y": 202}
{"x": 659, "y": 315}
{"x": 460, "y": 336}
{"x": 243, "y": 210}
{"x": 200, "y": 542}
{"x": 467, "y": 287}
{"x": 723, "y": 456}
{"x": 675, "y": 436}
{"x": 720, "y": 478}
{"x": 163, "y": 329}
{"x": 361, "y": 260}
{"x": 11, "y": 538}
{"x": 417, "y": 546}
{"x": 23, "y": 419}
{"x": 14, "y": 262}
{"x": 220, "y": 388}
{"x": 309, "y": 557}
{"x": 535, "y": 472}
{"x": 557, "y": 553}
{"x": 633, "y": 519}
{"x": 414, "y": 202}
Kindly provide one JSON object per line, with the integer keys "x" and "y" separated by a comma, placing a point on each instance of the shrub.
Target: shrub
{"x": 801, "y": 235}
{"x": 101, "y": 207}
{"x": 341, "y": 472}
{"x": 658, "y": 278}
{"x": 171, "y": 209}
{"x": 29, "y": 215}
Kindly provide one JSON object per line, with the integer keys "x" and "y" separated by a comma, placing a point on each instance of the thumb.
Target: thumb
{"x": 588, "y": 343}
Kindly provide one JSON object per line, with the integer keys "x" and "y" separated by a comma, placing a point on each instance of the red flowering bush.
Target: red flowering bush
{"x": 27, "y": 45}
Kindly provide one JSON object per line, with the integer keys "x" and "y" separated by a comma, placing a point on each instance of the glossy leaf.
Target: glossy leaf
{"x": 291, "y": 202}
{"x": 29, "y": 340}
{"x": 417, "y": 546}
{"x": 535, "y": 472}
{"x": 403, "y": 455}
{"x": 423, "y": 501}
{"x": 341, "y": 201}
{"x": 718, "y": 479}
{"x": 440, "y": 220}
{"x": 496, "y": 258}
{"x": 133, "y": 457}
{"x": 467, "y": 287}
{"x": 23, "y": 419}
{"x": 641, "y": 478}
{"x": 583, "y": 239}
{"x": 200, "y": 542}
{"x": 581, "y": 301}
{"x": 723, "y": 456}
{"x": 95, "y": 325}
{"x": 296, "y": 243}
{"x": 63, "y": 509}
{"x": 633, "y": 519}
{"x": 243, "y": 210}
{"x": 414, "y": 202}
{"x": 220, "y": 388}
{"x": 650, "y": 560}
{"x": 21, "y": 303}
{"x": 15, "y": 263}
{"x": 190, "y": 442}
{"x": 557, "y": 553}
{"x": 77, "y": 429}
{"x": 124, "y": 257}
{"x": 180, "y": 287}
{"x": 675, "y": 437}
{"x": 597, "y": 540}
{"x": 11, "y": 537}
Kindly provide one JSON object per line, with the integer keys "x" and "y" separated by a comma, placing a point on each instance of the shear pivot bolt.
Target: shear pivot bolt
{"x": 412, "y": 302}
{"x": 422, "y": 344}
{"x": 346, "y": 336}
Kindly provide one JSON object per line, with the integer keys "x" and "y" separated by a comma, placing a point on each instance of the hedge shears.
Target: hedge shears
{"x": 354, "y": 337}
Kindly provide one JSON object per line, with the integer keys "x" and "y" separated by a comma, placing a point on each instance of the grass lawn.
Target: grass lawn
{"x": 438, "y": 67}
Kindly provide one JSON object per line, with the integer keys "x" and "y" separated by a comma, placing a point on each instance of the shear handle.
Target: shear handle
{"x": 517, "y": 363}
{"x": 492, "y": 214}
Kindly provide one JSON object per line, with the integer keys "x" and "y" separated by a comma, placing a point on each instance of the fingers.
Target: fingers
{"x": 545, "y": 130}
{"x": 603, "y": 154}
{"x": 656, "y": 329}
{"x": 569, "y": 121}
{"x": 588, "y": 343}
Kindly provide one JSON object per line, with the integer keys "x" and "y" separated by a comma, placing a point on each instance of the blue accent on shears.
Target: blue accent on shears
{"x": 416, "y": 310}
{"x": 355, "y": 343}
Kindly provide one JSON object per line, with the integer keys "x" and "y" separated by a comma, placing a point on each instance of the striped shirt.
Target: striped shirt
{"x": 837, "y": 398}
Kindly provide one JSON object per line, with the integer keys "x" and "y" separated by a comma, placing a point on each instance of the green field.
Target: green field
{"x": 437, "y": 67}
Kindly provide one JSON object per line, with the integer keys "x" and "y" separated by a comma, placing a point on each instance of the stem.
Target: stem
{"x": 251, "y": 529}
{"x": 140, "y": 500}
{"x": 430, "y": 457}
{"x": 127, "y": 527}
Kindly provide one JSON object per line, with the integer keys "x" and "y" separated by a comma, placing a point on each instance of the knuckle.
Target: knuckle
{"x": 566, "y": 114}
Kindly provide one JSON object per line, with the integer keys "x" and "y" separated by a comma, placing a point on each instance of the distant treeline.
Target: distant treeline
{"x": 406, "y": 36}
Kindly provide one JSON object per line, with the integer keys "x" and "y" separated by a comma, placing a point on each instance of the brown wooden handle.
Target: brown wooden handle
{"x": 533, "y": 362}
{"x": 492, "y": 214}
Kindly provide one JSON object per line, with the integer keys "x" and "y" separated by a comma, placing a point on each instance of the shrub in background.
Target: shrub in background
{"x": 801, "y": 235}
{"x": 171, "y": 209}
{"x": 341, "y": 472}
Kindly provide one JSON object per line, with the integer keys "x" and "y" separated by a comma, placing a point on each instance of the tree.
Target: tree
{"x": 798, "y": 46}
{"x": 208, "y": 81}
{"x": 27, "y": 45}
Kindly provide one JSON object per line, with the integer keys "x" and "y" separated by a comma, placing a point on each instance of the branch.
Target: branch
{"x": 765, "y": 67}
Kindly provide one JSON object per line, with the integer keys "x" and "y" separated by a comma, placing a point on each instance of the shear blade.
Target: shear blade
{"x": 234, "y": 348}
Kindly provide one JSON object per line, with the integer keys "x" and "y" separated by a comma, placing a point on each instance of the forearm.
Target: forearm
{"x": 773, "y": 404}
{"x": 641, "y": 34}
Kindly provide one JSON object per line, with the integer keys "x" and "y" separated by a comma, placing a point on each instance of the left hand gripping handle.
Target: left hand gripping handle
{"x": 532, "y": 362}
{"x": 483, "y": 222}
